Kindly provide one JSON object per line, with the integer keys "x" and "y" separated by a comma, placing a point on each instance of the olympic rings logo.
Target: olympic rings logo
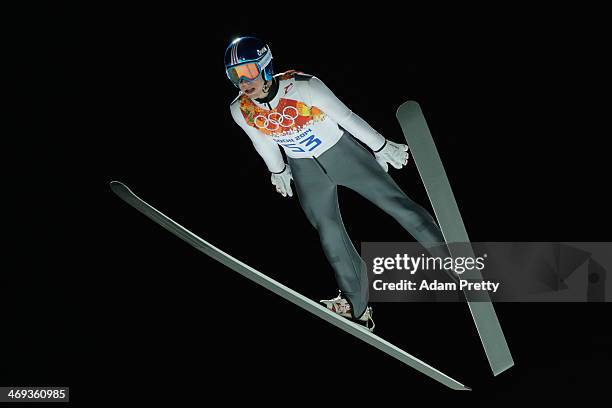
{"x": 276, "y": 120}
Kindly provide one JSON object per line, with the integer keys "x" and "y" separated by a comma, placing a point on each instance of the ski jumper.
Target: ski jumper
{"x": 316, "y": 131}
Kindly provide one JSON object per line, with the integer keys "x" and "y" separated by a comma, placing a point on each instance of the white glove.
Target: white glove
{"x": 393, "y": 153}
{"x": 282, "y": 181}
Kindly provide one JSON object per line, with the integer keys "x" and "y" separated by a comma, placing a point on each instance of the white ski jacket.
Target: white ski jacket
{"x": 303, "y": 117}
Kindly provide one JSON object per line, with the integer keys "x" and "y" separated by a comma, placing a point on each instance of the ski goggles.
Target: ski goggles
{"x": 249, "y": 71}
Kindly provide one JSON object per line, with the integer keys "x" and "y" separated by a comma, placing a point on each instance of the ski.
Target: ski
{"x": 429, "y": 165}
{"x": 283, "y": 291}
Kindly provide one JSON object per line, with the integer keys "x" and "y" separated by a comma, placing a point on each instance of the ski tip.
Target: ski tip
{"x": 467, "y": 388}
{"x": 118, "y": 187}
{"x": 408, "y": 105}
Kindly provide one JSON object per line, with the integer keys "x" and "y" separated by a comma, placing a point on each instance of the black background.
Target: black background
{"x": 97, "y": 297}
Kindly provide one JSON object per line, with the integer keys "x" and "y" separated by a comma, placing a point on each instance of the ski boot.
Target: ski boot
{"x": 341, "y": 306}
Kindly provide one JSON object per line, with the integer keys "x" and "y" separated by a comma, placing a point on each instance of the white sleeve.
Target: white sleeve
{"x": 323, "y": 98}
{"x": 267, "y": 148}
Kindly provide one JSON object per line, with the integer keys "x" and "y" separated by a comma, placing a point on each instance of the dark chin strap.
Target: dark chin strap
{"x": 272, "y": 90}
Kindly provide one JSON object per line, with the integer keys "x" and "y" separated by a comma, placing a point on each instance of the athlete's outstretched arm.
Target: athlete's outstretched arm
{"x": 267, "y": 148}
{"x": 323, "y": 98}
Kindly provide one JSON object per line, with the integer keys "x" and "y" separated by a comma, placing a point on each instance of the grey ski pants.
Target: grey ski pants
{"x": 349, "y": 164}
